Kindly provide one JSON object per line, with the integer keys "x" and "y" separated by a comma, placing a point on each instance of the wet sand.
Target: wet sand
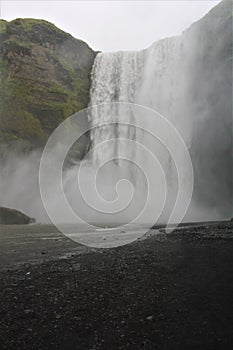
{"x": 162, "y": 292}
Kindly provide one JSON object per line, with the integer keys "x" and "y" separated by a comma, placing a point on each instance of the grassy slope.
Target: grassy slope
{"x": 44, "y": 78}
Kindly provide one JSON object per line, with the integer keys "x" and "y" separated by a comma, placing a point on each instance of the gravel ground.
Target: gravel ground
{"x": 164, "y": 292}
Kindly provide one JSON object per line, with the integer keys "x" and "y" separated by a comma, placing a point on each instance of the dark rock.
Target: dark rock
{"x": 207, "y": 51}
{"x": 14, "y": 217}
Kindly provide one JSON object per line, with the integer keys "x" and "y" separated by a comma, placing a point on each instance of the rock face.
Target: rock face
{"x": 13, "y": 217}
{"x": 207, "y": 49}
{"x": 44, "y": 78}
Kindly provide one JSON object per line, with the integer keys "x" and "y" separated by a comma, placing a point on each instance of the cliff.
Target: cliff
{"x": 207, "y": 53}
{"x": 44, "y": 78}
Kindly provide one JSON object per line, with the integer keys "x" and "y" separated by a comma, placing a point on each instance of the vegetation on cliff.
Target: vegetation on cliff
{"x": 44, "y": 78}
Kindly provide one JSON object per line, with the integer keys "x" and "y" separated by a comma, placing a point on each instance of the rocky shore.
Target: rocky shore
{"x": 164, "y": 292}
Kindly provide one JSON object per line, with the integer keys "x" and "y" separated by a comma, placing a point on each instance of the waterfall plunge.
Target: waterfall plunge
{"x": 150, "y": 78}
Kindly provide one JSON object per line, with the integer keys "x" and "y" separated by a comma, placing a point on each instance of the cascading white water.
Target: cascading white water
{"x": 116, "y": 77}
{"x": 158, "y": 89}
{"x": 149, "y": 78}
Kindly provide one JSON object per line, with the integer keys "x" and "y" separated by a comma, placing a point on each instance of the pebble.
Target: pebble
{"x": 150, "y": 318}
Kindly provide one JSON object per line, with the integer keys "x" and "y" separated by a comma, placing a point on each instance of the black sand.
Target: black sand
{"x": 165, "y": 292}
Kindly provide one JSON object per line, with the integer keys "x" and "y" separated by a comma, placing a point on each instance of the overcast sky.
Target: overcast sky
{"x": 113, "y": 25}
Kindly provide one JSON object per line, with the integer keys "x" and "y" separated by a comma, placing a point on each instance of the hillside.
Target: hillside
{"x": 44, "y": 78}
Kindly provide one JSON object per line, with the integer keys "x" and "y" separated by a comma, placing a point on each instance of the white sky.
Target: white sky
{"x": 113, "y": 25}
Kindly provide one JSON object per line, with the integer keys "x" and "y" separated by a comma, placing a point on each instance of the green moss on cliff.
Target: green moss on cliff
{"x": 3, "y": 26}
{"x": 44, "y": 78}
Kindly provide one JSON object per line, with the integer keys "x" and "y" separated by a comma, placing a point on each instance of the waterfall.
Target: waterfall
{"x": 116, "y": 77}
{"x": 148, "y": 78}
{"x": 158, "y": 89}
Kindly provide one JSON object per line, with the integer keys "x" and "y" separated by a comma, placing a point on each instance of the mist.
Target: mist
{"x": 180, "y": 78}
